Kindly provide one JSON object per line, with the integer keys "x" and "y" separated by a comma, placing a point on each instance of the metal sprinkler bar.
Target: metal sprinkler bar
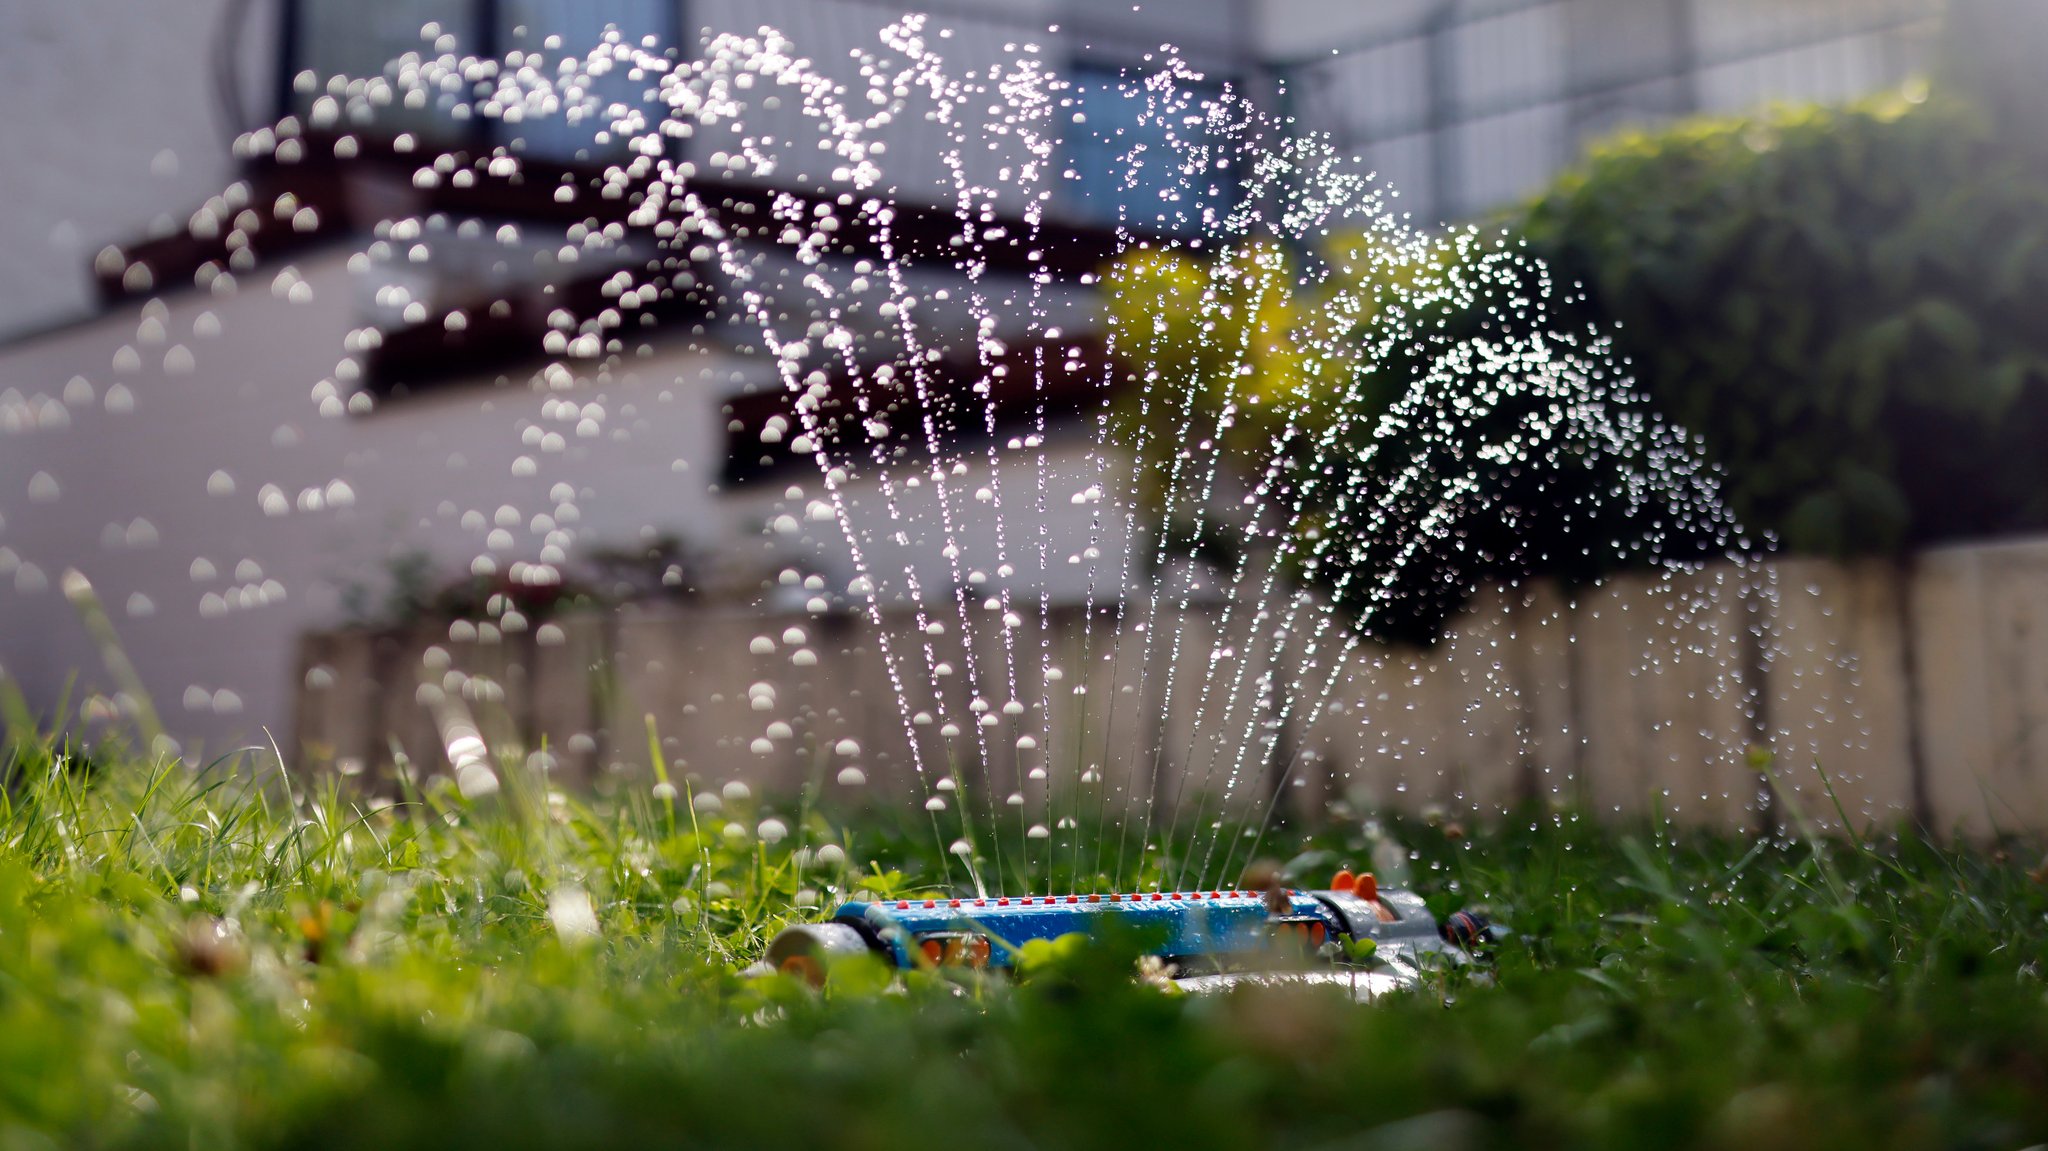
{"x": 1203, "y": 934}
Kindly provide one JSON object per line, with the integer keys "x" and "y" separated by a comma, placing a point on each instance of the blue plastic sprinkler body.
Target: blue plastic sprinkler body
{"x": 1206, "y": 936}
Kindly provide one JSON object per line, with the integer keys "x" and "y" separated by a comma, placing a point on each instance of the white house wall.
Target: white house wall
{"x": 1041, "y": 520}
{"x": 142, "y": 421}
{"x": 110, "y": 128}
{"x": 246, "y": 408}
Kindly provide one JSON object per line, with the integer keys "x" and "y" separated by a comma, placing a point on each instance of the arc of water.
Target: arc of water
{"x": 1344, "y": 195}
{"x": 1346, "y": 198}
{"x": 987, "y": 349}
{"x": 818, "y": 101}
{"x": 1026, "y": 86}
{"x": 1325, "y": 442}
{"x": 1265, "y": 278}
{"x": 1230, "y": 130}
{"x": 710, "y": 90}
{"x": 1589, "y": 410}
{"x": 1028, "y": 92}
{"x": 1167, "y": 103}
{"x": 950, "y": 95}
{"x": 1410, "y": 545}
{"x": 700, "y": 93}
{"x": 1102, "y": 455}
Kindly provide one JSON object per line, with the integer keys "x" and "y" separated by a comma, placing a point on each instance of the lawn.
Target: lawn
{"x": 189, "y": 959}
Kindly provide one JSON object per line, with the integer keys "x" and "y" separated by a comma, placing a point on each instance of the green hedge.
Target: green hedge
{"x": 1845, "y": 303}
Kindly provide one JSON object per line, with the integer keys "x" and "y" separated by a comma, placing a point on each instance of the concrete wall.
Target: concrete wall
{"x": 1464, "y": 105}
{"x": 1884, "y": 694}
{"x": 110, "y": 129}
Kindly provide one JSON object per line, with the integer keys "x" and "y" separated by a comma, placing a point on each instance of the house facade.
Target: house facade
{"x": 238, "y": 401}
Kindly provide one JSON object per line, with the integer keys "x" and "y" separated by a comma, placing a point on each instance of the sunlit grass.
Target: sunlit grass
{"x": 191, "y": 958}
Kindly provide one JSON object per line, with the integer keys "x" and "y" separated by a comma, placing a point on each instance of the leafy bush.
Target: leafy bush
{"x": 1842, "y": 302}
{"x": 1428, "y": 405}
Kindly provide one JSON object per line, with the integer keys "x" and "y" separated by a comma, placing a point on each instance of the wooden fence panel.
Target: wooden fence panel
{"x": 1920, "y": 689}
{"x": 2015, "y": 637}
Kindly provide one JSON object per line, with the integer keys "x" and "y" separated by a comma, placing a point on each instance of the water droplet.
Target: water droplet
{"x": 475, "y": 780}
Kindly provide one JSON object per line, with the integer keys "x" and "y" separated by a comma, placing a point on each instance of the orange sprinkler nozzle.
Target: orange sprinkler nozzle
{"x": 1366, "y": 886}
{"x": 1343, "y": 881}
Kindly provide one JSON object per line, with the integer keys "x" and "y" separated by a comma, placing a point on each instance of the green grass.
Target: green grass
{"x": 188, "y": 959}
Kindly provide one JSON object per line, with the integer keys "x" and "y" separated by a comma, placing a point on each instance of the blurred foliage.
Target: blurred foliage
{"x": 1843, "y": 302}
{"x": 1422, "y": 398}
{"x": 188, "y": 959}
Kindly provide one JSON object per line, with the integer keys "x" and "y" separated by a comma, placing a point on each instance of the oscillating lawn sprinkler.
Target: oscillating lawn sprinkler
{"x": 1207, "y": 939}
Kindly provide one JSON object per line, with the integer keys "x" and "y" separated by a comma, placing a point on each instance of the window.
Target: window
{"x": 366, "y": 38}
{"x": 1142, "y": 158}
{"x": 526, "y": 24}
{"x": 360, "y": 39}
